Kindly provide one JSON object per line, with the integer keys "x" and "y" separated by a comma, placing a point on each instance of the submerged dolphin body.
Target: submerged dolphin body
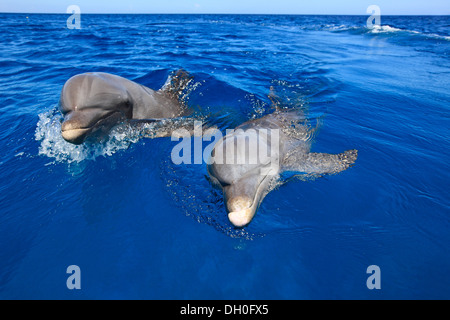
{"x": 93, "y": 101}
{"x": 285, "y": 136}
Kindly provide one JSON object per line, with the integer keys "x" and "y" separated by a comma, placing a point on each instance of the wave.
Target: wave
{"x": 383, "y": 29}
{"x": 389, "y": 29}
{"x": 359, "y": 28}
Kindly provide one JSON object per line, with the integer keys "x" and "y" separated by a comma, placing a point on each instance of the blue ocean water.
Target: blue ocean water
{"x": 141, "y": 227}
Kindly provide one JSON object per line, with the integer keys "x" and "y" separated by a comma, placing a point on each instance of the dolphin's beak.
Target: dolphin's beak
{"x": 241, "y": 211}
{"x": 241, "y": 218}
{"x": 75, "y": 136}
{"x": 77, "y": 126}
{"x": 72, "y": 131}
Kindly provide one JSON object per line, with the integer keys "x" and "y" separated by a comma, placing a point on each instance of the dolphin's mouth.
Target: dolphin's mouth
{"x": 75, "y": 136}
{"x": 78, "y": 134}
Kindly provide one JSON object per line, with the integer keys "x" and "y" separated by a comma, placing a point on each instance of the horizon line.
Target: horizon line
{"x": 197, "y": 13}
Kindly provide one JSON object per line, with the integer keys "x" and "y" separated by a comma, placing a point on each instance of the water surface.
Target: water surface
{"x": 141, "y": 227}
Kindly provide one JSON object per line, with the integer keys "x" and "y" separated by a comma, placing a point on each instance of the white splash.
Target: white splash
{"x": 120, "y": 137}
{"x": 48, "y": 132}
{"x": 387, "y": 29}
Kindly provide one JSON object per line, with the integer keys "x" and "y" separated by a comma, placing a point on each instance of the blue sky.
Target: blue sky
{"x": 418, "y": 7}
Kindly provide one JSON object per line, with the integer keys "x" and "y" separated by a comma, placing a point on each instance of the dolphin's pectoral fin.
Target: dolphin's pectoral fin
{"x": 321, "y": 163}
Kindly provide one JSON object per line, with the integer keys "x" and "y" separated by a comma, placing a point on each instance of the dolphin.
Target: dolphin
{"x": 96, "y": 100}
{"x": 246, "y": 176}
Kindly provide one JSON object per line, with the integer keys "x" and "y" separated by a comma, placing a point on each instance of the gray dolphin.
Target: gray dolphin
{"x": 246, "y": 176}
{"x": 96, "y": 100}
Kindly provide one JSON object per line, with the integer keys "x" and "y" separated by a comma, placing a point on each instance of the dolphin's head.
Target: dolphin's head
{"x": 89, "y": 102}
{"x": 244, "y": 177}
